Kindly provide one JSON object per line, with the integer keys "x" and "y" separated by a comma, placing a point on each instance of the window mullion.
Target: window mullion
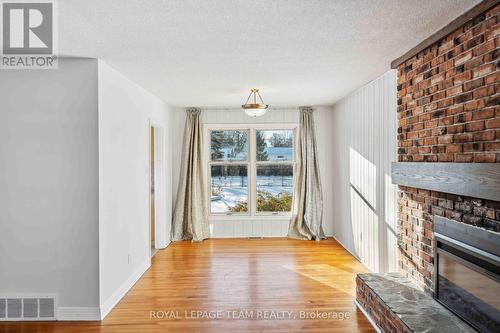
{"x": 252, "y": 174}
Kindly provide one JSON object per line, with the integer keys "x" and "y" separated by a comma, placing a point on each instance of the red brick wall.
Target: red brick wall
{"x": 416, "y": 234}
{"x": 448, "y": 111}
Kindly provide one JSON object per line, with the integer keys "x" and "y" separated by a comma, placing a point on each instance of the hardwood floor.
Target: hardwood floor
{"x": 223, "y": 275}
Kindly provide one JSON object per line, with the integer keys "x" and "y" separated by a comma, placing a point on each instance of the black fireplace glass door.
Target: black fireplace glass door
{"x": 469, "y": 293}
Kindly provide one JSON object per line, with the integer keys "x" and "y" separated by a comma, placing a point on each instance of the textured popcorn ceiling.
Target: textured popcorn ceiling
{"x": 210, "y": 53}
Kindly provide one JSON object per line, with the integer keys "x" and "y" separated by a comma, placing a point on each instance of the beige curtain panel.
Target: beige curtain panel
{"x": 307, "y": 208}
{"x": 190, "y": 221}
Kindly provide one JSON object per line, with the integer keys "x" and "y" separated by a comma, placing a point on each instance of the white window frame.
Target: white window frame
{"x": 251, "y": 165}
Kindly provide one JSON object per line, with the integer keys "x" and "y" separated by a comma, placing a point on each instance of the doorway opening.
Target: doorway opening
{"x": 152, "y": 212}
{"x": 157, "y": 201}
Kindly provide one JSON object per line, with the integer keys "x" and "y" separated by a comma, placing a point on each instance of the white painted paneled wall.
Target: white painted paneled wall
{"x": 364, "y": 145}
{"x": 272, "y": 226}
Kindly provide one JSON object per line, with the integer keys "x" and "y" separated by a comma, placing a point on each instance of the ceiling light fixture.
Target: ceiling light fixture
{"x": 255, "y": 109}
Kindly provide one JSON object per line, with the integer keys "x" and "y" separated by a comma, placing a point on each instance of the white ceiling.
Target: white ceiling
{"x": 210, "y": 53}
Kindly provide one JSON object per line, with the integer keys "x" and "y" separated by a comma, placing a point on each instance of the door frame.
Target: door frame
{"x": 160, "y": 185}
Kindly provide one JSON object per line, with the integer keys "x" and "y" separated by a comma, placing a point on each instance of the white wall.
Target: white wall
{"x": 74, "y": 186}
{"x": 125, "y": 110}
{"x": 364, "y": 145}
{"x": 222, "y": 227}
{"x": 49, "y": 182}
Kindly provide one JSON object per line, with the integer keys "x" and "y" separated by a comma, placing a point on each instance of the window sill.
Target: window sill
{"x": 221, "y": 217}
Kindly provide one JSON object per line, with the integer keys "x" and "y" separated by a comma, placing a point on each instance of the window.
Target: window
{"x": 229, "y": 145}
{"x": 251, "y": 170}
{"x": 274, "y": 155}
{"x": 229, "y": 171}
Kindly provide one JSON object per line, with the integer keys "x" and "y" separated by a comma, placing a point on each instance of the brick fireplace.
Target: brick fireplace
{"x": 448, "y": 111}
{"x": 448, "y": 160}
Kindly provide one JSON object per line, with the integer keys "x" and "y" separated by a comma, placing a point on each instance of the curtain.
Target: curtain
{"x": 190, "y": 221}
{"x": 307, "y": 208}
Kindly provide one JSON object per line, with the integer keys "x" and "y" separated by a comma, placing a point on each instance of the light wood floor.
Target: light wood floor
{"x": 235, "y": 274}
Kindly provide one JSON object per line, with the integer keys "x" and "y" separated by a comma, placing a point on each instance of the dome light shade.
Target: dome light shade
{"x": 255, "y": 109}
{"x": 255, "y": 112}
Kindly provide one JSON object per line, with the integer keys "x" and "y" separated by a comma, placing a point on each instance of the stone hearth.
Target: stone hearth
{"x": 396, "y": 304}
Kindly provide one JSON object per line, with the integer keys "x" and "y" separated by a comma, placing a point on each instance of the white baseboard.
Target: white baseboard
{"x": 78, "y": 313}
{"x": 110, "y": 303}
{"x": 370, "y": 319}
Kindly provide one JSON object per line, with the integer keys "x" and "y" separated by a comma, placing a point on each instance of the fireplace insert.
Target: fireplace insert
{"x": 467, "y": 272}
